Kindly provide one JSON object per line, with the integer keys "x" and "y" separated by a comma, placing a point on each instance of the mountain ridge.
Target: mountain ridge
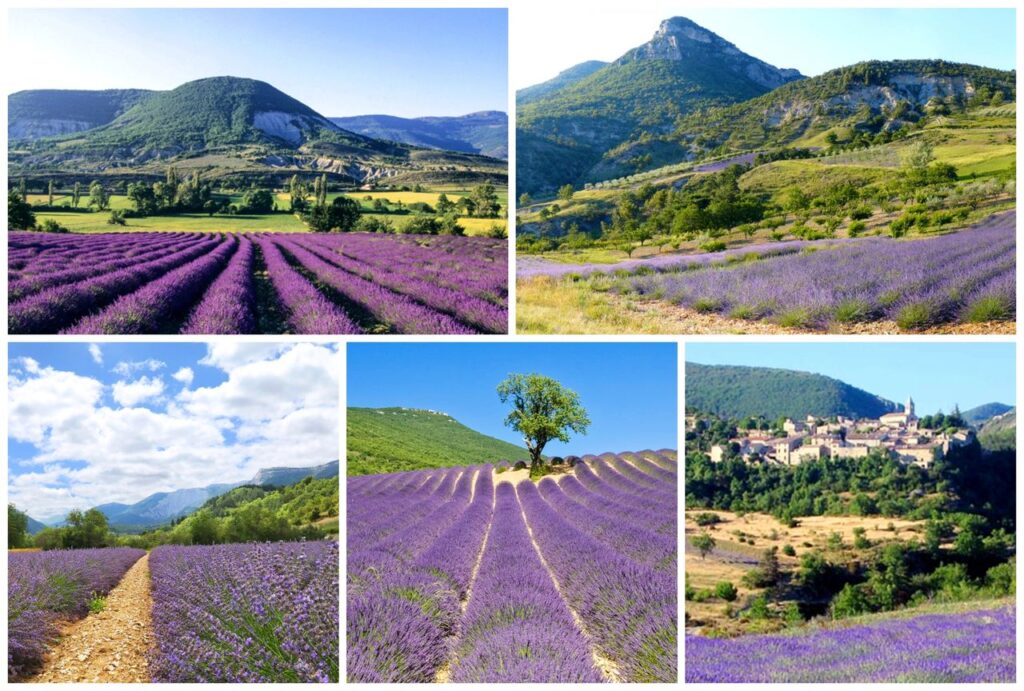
{"x": 162, "y": 507}
{"x": 742, "y": 391}
{"x": 483, "y": 132}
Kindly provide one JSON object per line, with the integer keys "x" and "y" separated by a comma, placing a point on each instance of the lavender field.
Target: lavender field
{"x": 168, "y": 283}
{"x": 46, "y": 587}
{"x": 458, "y": 575}
{"x": 967, "y": 276}
{"x": 246, "y": 613}
{"x": 978, "y": 646}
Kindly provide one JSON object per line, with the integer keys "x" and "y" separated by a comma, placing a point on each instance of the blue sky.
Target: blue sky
{"x": 406, "y": 62}
{"x": 811, "y": 40}
{"x": 116, "y": 422}
{"x": 628, "y": 389}
{"x": 937, "y": 375}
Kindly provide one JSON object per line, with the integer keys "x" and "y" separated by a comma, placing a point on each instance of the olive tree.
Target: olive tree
{"x": 542, "y": 410}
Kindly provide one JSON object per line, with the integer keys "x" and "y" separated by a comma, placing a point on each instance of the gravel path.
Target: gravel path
{"x": 112, "y": 645}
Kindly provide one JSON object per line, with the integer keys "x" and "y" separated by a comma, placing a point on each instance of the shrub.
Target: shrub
{"x": 917, "y": 315}
{"x": 520, "y": 465}
{"x": 856, "y": 228}
{"x": 714, "y": 246}
{"x": 990, "y": 308}
{"x": 706, "y": 518}
{"x": 49, "y": 225}
{"x": 117, "y": 218}
{"x": 850, "y": 602}
{"x": 860, "y": 213}
{"x": 788, "y": 550}
{"x": 725, "y": 591}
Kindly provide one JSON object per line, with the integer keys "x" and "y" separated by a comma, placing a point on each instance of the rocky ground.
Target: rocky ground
{"x": 111, "y": 645}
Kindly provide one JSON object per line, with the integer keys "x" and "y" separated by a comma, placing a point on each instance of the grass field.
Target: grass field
{"x": 96, "y": 221}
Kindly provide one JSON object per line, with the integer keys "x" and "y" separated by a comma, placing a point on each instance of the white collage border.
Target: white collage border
{"x": 517, "y": 42}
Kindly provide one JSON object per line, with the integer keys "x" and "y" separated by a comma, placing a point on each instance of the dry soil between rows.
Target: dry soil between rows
{"x": 112, "y": 645}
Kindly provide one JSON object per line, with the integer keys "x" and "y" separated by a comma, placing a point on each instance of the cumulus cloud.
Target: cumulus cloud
{"x": 96, "y": 353}
{"x": 280, "y": 410}
{"x": 229, "y": 355}
{"x": 184, "y": 375}
{"x": 132, "y": 393}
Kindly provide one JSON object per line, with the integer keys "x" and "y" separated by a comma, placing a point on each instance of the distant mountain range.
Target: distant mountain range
{"x": 34, "y": 526}
{"x": 163, "y": 507}
{"x": 484, "y": 133}
{"x": 740, "y": 392}
{"x": 688, "y": 93}
{"x": 221, "y": 125}
{"x": 388, "y": 440}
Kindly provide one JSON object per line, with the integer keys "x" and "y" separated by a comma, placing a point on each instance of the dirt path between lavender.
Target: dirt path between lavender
{"x": 109, "y": 646}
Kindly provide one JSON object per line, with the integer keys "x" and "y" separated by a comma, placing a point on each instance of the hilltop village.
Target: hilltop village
{"x": 900, "y": 433}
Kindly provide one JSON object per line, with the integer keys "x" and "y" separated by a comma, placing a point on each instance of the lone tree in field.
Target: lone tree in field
{"x": 542, "y": 410}
{"x": 704, "y": 543}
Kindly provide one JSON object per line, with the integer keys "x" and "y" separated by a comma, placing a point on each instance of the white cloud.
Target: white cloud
{"x": 96, "y": 353}
{"x": 229, "y": 355}
{"x": 184, "y": 375}
{"x": 269, "y": 412}
{"x": 132, "y": 393}
{"x": 128, "y": 368}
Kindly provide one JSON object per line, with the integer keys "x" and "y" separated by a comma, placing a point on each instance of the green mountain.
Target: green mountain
{"x": 563, "y": 79}
{"x": 388, "y": 440}
{"x": 1000, "y": 432}
{"x": 307, "y": 501}
{"x": 641, "y": 95}
{"x": 50, "y": 112}
{"x": 740, "y": 392}
{"x": 979, "y": 415}
{"x": 869, "y": 96}
{"x": 235, "y": 126}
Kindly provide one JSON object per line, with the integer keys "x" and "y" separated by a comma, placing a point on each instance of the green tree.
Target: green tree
{"x": 850, "y": 602}
{"x": 565, "y": 192}
{"x": 256, "y": 201}
{"x": 525, "y": 199}
{"x": 704, "y": 543}
{"x": 341, "y": 215}
{"x": 445, "y": 206}
{"x": 98, "y": 196}
{"x": 86, "y": 530}
{"x": 49, "y": 192}
{"x": 142, "y": 196}
{"x": 17, "y": 528}
{"x": 76, "y": 195}
{"x": 725, "y": 591}
{"x": 542, "y": 410}
{"x": 204, "y": 528}
{"x": 19, "y": 212}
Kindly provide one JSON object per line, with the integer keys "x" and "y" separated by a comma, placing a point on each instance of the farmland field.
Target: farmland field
{"x": 960, "y": 278}
{"x": 967, "y": 645}
{"x": 145, "y": 283}
{"x": 479, "y": 575}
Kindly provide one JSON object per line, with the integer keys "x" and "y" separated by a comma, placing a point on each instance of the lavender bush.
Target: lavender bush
{"x": 246, "y": 613}
{"x": 45, "y": 586}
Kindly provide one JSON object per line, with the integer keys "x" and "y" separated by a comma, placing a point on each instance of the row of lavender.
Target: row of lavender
{"x": 44, "y": 588}
{"x": 452, "y": 577}
{"x": 977, "y": 646}
{"x": 209, "y": 284}
{"x": 961, "y": 277}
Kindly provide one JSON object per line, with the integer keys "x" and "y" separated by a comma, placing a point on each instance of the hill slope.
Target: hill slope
{"x": 682, "y": 68}
{"x": 48, "y": 112}
{"x": 739, "y": 392}
{"x": 484, "y": 133}
{"x": 34, "y": 526}
{"x": 565, "y": 78}
{"x": 387, "y": 440}
{"x": 869, "y": 96}
{"x": 1000, "y": 432}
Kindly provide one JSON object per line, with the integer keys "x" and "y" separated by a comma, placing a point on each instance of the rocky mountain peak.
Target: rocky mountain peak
{"x": 682, "y": 40}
